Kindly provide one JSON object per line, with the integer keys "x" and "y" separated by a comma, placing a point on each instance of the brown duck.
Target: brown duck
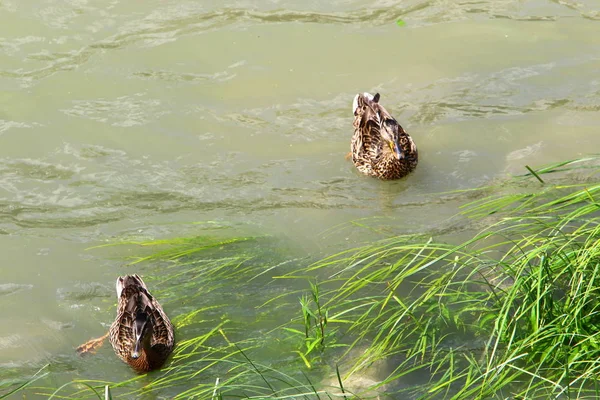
{"x": 142, "y": 334}
{"x": 380, "y": 147}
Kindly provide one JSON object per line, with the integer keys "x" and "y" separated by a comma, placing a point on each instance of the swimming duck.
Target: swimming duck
{"x": 142, "y": 334}
{"x": 380, "y": 147}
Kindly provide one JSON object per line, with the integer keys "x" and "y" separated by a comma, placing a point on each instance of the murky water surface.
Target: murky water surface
{"x": 132, "y": 119}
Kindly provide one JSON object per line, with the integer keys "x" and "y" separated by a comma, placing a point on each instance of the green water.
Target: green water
{"x": 131, "y": 119}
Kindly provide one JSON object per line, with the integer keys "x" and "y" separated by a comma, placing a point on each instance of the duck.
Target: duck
{"x": 380, "y": 147}
{"x": 142, "y": 334}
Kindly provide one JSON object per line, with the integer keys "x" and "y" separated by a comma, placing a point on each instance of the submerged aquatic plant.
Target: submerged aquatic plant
{"x": 511, "y": 312}
{"x": 214, "y": 341}
{"x": 315, "y": 337}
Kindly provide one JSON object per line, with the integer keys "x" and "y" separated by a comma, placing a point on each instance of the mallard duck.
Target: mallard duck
{"x": 142, "y": 334}
{"x": 380, "y": 147}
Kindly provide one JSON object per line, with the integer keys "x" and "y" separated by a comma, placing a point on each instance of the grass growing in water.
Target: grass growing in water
{"x": 315, "y": 337}
{"x": 216, "y": 339}
{"x": 513, "y": 312}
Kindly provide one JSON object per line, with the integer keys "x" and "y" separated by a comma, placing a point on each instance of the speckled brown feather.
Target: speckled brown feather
{"x": 369, "y": 148}
{"x": 135, "y": 298}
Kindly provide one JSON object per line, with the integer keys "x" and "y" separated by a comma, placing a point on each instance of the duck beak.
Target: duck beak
{"x": 395, "y": 147}
{"x": 137, "y": 347}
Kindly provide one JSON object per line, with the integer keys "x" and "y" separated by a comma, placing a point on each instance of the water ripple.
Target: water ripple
{"x": 6, "y": 125}
{"x": 126, "y": 111}
{"x": 10, "y": 288}
{"x": 506, "y": 92}
{"x": 169, "y": 23}
{"x": 127, "y": 188}
{"x": 84, "y": 291}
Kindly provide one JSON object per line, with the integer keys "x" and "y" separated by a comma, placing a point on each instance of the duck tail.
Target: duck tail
{"x": 129, "y": 281}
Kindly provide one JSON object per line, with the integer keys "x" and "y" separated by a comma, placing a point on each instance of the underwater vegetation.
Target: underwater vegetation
{"x": 508, "y": 308}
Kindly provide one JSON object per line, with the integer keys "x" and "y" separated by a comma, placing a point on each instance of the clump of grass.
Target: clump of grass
{"x": 9, "y": 387}
{"x": 212, "y": 341}
{"x": 174, "y": 249}
{"x": 315, "y": 336}
{"x": 513, "y": 312}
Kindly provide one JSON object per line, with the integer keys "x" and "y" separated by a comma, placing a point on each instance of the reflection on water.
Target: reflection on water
{"x": 133, "y": 119}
